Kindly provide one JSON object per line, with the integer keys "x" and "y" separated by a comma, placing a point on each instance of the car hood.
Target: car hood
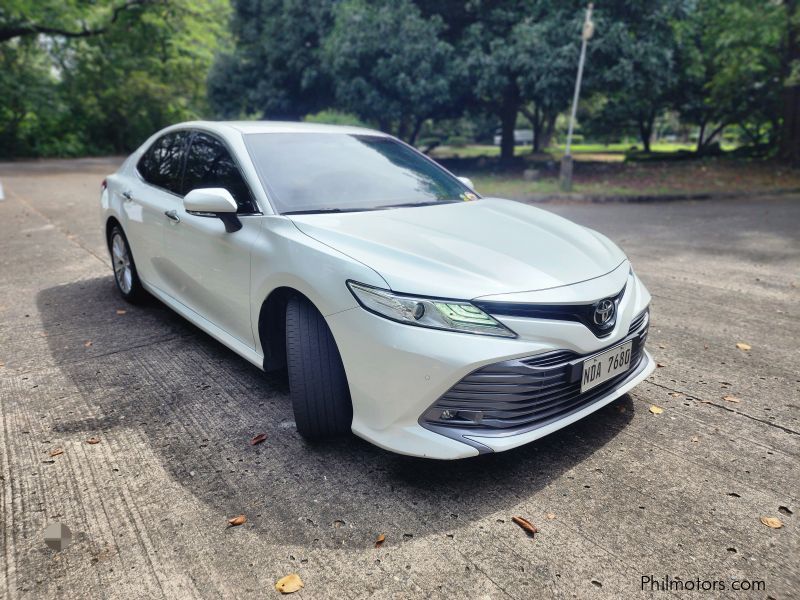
{"x": 467, "y": 249}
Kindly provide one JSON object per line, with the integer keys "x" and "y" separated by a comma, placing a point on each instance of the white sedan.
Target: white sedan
{"x": 406, "y": 308}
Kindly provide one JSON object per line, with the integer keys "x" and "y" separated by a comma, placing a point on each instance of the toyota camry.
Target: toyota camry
{"x": 404, "y": 306}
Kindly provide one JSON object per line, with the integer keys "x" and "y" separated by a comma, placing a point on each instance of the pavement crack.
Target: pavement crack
{"x": 723, "y": 407}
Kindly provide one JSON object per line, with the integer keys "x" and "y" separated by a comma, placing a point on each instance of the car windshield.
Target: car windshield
{"x": 338, "y": 172}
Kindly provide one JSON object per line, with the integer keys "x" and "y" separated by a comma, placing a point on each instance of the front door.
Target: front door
{"x": 209, "y": 269}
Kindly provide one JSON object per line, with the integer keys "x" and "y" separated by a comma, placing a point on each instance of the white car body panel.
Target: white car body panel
{"x": 490, "y": 249}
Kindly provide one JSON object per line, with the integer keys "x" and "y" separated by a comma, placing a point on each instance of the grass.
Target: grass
{"x": 581, "y": 152}
{"x": 614, "y": 179}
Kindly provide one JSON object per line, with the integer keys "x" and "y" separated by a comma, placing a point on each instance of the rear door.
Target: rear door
{"x": 153, "y": 190}
{"x": 209, "y": 269}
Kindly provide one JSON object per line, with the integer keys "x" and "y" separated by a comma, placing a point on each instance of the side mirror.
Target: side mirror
{"x": 467, "y": 182}
{"x": 213, "y": 202}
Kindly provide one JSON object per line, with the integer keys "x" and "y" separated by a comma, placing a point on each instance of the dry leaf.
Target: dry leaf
{"x": 56, "y": 451}
{"x": 379, "y": 540}
{"x": 660, "y": 365}
{"x": 121, "y": 311}
{"x": 772, "y": 522}
{"x": 87, "y": 344}
{"x": 731, "y": 399}
{"x": 656, "y": 410}
{"x": 240, "y": 520}
{"x": 551, "y": 516}
{"x": 743, "y": 346}
{"x": 695, "y": 439}
{"x": 93, "y": 440}
{"x": 529, "y": 527}
{"x": 290, "y": 583}
{"x": 258, "y": 439}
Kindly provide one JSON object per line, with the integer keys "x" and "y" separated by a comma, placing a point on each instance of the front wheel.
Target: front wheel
{"x": 317, "y": 381}
{"x": 125, "y": 275}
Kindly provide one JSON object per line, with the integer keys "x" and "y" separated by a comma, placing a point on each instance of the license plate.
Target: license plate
{"x": 604, "y": 366}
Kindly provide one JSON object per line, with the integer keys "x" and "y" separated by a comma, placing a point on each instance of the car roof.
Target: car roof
{"x": 247, "y": 127}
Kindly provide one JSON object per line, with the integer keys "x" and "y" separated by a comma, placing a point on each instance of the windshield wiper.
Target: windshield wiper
{"x": 311, "y": 211}
{"x": 410, "y": 204}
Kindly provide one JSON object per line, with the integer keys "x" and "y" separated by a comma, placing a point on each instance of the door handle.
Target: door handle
{"x": 127, "y": 195}
{"x": 172, "y": 215}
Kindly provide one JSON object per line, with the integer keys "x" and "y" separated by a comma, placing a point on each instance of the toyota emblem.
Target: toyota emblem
{"x": 604, "y": 313}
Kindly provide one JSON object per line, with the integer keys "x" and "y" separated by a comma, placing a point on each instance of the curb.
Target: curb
{"x": 650, "y": 199}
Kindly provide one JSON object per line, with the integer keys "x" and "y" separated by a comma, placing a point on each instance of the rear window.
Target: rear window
{"x": 162, "y": 164}
{"x": 317, "y": 172}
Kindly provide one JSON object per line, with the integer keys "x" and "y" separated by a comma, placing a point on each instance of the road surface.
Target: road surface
{"x": 621, "y": 496}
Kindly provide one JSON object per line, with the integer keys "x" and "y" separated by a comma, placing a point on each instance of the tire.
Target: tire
{"x": 125, "y": 276}
{"x": 317, "y": 381}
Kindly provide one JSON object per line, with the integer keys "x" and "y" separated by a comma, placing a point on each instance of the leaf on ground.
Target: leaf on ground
{"x": 743, "y": 346}
{"x": 660, "y": 365}
{"x": 289, "y": 584}
{"x": 87, "y": 344}
{"x": 551, "y": 516}
{"x": 772, "y": 522}
{"x": 656, "y": 410}
{"x": 121, "y": 311}
{"x": 695, "y": 439}
{"x": 93, "y": 440}
{"x": 56, "y": 451}
{"x": 379, "y": 540}
{"x": 731, "y": 399}
{"x": 258, "y": 439}
{"x": 529, "y": 527}
{"x": 235, "y": 521}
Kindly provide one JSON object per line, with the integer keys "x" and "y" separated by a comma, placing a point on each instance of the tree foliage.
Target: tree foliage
{"x": 389, "y": 65}
{"x": 105, "y": 93}
{"x": 93, "y": 77}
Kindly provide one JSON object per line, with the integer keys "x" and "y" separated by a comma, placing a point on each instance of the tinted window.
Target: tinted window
{"x": 209, "y": 164}
{"x": 161, "y": 165}
{"x": 336, "y": 171}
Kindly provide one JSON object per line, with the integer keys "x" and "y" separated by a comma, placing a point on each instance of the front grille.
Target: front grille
{"x": 523, "y": 394}
{"x": 581, "y": 313}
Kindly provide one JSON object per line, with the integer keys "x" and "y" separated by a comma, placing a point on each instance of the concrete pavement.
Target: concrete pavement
{"x": 633, "y": 494}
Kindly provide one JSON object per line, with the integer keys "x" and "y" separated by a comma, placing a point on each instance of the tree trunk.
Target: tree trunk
{"x": 549, "y": 130}
{"x": 508, "y": 120}
{"x": 789, "y": 147}
{"x": 700, "y": 144}
{"x": 415, "y": 132}
{"x": 646, "y": 132}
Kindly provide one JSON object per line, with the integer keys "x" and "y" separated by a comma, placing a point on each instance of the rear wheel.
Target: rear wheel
{"x": 317, "y": 381}
{"x": 125, "y": 275}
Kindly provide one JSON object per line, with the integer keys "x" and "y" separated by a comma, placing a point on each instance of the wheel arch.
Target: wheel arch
{"x": 112, "y": 222}
{"x": 272, "y": 325}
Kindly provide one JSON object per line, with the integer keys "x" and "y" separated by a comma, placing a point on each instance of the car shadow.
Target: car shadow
{"x": 152, "y": 377}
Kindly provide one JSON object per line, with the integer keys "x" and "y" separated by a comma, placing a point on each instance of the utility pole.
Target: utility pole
{"x": 566, "y": 161}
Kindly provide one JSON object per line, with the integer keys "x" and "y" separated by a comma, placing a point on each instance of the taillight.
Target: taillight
{"x": 104, "y": 185}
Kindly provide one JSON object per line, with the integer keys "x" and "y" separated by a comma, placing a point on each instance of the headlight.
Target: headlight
{"x": 435, "y": 313}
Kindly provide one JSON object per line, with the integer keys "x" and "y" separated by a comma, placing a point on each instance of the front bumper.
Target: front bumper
{"x": 398, "y": 373}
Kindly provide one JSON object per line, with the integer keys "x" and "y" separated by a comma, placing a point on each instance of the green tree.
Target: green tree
{"x": 62, "y": 18}
{"x": 790, "y": 79}
{"x": 275, "y": 69}
{"x": 389, "y": 65}
{"x": 729, "y": 66}
{"x": 633, "y": 63}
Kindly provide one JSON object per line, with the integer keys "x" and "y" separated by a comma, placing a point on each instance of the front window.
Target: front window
{"x": 332, "y": 172}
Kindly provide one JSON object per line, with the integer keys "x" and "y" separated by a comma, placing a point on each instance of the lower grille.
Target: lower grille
{"x": 524, "y": 394}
